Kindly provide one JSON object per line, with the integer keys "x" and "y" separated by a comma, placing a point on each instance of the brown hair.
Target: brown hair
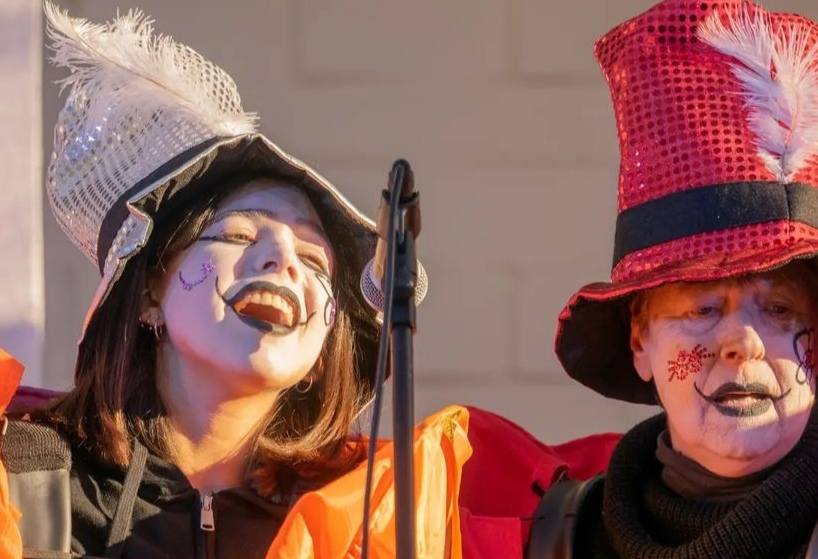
{"x": 304, "y": 436}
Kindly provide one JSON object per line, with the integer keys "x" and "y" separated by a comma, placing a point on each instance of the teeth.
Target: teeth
{"x": 280, "y": 303}
{"x": 267, "y": 299}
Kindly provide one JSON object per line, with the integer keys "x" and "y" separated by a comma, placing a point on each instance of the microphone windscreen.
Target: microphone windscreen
{"x": 371, "y": 289}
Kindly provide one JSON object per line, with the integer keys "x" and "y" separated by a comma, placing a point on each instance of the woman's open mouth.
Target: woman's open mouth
{"x": 741, "y": 400}
{"x": 267, "y": 307}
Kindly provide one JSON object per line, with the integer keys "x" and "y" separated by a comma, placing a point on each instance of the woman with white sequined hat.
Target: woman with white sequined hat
{"x": 228, "y": 348}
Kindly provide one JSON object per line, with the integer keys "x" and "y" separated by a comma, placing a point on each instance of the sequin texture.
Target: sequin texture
{"x": 683, "y": 123}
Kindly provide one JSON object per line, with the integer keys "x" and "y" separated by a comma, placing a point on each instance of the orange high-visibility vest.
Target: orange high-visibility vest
{"x": 11, "y": 544}
{"x": 326, "y": 524}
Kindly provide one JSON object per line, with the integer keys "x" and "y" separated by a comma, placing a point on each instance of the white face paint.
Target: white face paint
{"x": 251, "y": 299}
{"x": 732, "y": 365}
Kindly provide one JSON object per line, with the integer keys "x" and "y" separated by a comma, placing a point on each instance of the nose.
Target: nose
{"x": 740, "y": 341}
{"x": 276, "y": 254}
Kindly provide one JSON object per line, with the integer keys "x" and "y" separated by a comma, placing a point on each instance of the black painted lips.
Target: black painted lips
{"x": 718, "y": 398}
{"x": 256, "y": 321}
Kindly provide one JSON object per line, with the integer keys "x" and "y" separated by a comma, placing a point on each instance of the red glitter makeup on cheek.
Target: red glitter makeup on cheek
{"x": 688, "y": 363}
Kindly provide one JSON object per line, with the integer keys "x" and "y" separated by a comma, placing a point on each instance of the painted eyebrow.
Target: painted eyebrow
{"x": 258, "y": 212}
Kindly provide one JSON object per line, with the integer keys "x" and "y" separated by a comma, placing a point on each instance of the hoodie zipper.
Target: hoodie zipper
{"x": 207, "y": 524}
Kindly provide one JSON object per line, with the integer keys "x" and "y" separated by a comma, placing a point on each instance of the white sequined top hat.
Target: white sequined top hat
{"x": 145, "y": 118}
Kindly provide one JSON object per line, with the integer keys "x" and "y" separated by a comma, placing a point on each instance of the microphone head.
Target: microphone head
{"x": 371, "y": 287}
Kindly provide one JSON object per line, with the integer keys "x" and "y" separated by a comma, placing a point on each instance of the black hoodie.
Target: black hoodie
{"x": 162, "y": 515}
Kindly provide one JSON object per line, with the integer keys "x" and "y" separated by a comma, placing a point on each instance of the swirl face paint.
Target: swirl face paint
{"x": 206, "y": 269}
{"x": 688, "y": 362}
{"x": 805, "y": 356}
{"x": 331, "y": 306}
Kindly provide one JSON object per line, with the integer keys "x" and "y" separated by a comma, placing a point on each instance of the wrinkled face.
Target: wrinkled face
{"x": 251, "y": 300}
{"x": 733, "y": 365}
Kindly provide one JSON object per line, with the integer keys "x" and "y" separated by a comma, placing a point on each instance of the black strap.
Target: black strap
{"x": 712, "y": 208}
{"x": 555, "y": 522}
{"x": 121, "y": 526}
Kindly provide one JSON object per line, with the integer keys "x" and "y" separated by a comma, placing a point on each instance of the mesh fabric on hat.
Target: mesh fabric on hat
{"x": 135, "y": 102}
{"x": 683, "y": 123}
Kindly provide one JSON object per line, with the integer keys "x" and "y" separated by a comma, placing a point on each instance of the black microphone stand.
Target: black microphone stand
{"x": 399, "y": 227}
{"x": 402, "y": 329}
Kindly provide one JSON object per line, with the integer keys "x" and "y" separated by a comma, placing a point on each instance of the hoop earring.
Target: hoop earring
{"x": 301, "y": 389}
{"x": 154, "y": 320}
{"x": 158, "y": 331}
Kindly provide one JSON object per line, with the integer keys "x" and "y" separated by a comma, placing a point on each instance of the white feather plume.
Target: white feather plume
{"x": 125, "y": 59}
{"x": 777, "y": 69}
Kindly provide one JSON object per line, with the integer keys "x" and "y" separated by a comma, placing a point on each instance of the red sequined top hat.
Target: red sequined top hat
{"x": 716, "y": 108}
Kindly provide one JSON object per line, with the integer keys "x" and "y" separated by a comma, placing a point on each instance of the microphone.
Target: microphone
{"x": 372, "y": 275}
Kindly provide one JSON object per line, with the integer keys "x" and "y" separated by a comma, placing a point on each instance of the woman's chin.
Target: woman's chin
{"x": 245, "y": 375}
{"x": 266, "y": 378}
{"x": 743, "y": 448}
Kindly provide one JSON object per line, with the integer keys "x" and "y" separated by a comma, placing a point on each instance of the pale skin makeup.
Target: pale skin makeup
{"x": 244, "y": 309}
{"x": 732, "y": 365}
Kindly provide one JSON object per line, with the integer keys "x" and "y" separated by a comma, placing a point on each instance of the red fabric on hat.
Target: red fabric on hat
{"x": 681, "y": 119}
{"x": 505, "y": 478}
{"x": 683, "y": 123}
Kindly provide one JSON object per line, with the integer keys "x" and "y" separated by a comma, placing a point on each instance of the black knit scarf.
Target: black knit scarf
{"x": 645, "y": 520}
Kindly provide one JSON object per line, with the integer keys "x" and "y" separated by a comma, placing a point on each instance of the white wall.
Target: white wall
{"x": 21, "y": 228}
{"x": 501, "y": 110}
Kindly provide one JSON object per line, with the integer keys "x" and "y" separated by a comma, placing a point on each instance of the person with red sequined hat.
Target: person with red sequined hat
{"x": 711, "y": 308}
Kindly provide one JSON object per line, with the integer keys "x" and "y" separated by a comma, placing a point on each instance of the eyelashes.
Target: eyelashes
{"x": 316, "y": 264}
{"x": 233, "y": 239}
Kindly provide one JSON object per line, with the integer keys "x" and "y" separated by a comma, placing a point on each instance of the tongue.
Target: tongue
{"x": 267, "y": 314}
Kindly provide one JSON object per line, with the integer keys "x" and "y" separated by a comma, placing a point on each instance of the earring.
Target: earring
{"x": 303, "y": 388}
{"x": 154, "y": 320}
{"x": 330, "y": 310}
{"x": 158, "y": 331}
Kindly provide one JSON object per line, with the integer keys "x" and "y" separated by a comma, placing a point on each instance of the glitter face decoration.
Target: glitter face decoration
{"x": 688, "y": 363}
{"x": 206, "y": 269}
{"x": 805, "y": 355}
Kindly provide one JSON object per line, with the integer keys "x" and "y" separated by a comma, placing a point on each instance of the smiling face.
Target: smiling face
{"x": 733, "y": 367}
{"x": 251, "y": 299}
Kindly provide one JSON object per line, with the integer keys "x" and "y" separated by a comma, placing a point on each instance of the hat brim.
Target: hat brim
{"x": 131, "y": 222}
{"x": 593, "y": 334}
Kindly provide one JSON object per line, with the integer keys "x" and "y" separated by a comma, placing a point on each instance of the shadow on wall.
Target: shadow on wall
{"x": 24, "y": 341}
